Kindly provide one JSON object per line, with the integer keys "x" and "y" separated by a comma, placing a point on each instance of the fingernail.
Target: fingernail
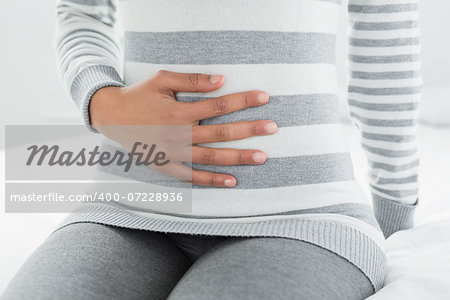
{"x": 213, "y": 79}
{"x": 263, "y": 98}
{"x": 229, "y": 182}
{"x": 270, "y": 127}
{"x": 259, "y": 157}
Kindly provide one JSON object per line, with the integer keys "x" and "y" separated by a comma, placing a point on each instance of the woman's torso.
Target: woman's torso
{"x": 286, "y": 50}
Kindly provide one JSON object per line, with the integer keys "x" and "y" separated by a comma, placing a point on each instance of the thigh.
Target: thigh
{"x": 93, "y": 261}
{"x": 271, "y": 268}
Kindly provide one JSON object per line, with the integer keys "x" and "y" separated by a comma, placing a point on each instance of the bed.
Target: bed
{"x": 418, "y": 259}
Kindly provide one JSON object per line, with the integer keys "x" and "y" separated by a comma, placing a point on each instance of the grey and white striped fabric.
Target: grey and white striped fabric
{"x": 384, "y": 93}
{"x": 306, "y": 189}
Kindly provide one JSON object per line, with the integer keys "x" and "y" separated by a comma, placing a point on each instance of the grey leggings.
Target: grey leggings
{"x": 93, "y": 261}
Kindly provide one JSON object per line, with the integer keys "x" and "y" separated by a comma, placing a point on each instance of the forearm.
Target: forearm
{"x": 87, "y": 49}
{"x": 384, "y": 92}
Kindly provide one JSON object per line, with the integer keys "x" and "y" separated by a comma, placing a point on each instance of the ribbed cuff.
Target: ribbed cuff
{"x": 393, "y": 216}
{"x": 87, "y": 82}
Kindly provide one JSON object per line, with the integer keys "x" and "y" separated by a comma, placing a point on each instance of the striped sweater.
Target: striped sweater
{"x": 306, "y": 189}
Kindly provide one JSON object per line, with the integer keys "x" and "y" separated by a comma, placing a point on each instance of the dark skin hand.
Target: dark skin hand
{"x": 153, "y": 102}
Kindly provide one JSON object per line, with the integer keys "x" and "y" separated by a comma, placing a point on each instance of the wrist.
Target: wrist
{"x": 105, "y": 105}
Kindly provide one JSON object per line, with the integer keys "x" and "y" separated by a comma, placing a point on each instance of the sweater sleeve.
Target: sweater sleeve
{"x": 87, "y": 49}
{"x": 383, "y": 96}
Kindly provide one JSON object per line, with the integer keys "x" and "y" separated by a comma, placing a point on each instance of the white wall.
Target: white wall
{"x": 435, "y": 108}
{"x": 31, "y": 92}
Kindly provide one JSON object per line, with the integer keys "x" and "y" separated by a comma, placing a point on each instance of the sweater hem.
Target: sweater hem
{"x": 343, "y": 240}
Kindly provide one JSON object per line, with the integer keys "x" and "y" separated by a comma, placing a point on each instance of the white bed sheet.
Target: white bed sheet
{"x": 418, "y": 259}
